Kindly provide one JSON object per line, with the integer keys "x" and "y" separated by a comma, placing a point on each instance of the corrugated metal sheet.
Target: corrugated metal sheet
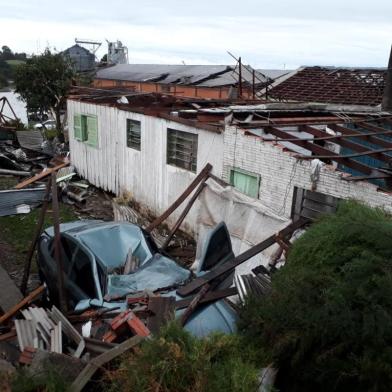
{"x": 27, "y": 334}
{"x": 164, "y": 73}
{"x": 200, "y": 75}
{"x": 13, "y": 200}
{"x": 31, "y": 140}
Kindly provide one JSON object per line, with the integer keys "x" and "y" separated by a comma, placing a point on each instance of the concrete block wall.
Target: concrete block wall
{"x": 280, "y": 172}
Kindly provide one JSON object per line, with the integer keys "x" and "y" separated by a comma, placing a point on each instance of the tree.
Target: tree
{"x": 327, "y": 323}
{"x": 44, "y": 82}
{"x": 6, "y": 53}
{"x": 5, "y": 73}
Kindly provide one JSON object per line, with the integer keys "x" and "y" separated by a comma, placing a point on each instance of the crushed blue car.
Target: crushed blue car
{"x": 96, "y": 253}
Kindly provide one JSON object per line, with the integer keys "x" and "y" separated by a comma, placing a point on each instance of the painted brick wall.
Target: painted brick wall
{"x": 280, "y": 172}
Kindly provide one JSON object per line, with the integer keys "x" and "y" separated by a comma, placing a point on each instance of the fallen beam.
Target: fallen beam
{"x": 41, "y": 175}
{"x": 194, "y": 303}
{"x": 33, "y": 244}
{"x": 232, "y": 264}
{"x": 209, "y": 297}
{"x": 202, "y": 176}
{"x": 89, "y": 370}
{"x": 27, "y": 300}
{"x": 183, "y": 215}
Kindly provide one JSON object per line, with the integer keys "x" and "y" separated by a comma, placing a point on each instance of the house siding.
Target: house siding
{"x": 114, "y": 167}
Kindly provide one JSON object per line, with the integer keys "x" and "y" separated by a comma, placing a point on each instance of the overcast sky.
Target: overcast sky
{"x": 266, "y": 33}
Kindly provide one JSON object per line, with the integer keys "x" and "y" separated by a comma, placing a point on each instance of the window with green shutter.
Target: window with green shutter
{"x": 133, "y": 134}
{"x": 246, "y": 182}
{"x": 182, "y": 149}
{"x": 86, "y": 129}
{"x": 92, "y": 130}
{"x": 78, "y": 133}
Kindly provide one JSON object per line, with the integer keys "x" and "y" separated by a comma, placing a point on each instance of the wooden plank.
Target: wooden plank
{"x": 194, "y": 303}
{"x": 27, "y": 300}
{"x": 373, "y": 139}
{"x": 183, "y": 214}
{"x": 162, "y": 309}
{"x": 38, "y": 231}
{"x": 41, "y": 175}
{"x": 321, "y": 151}
{"x": 348, "y": 156}
{"x": 349, "y": 144}
{"x": 86, "y": 374}
{"x": 8, "y": 335}
{"x": 202, "y": 176}
{"x": 58, "y": 246}
{"x": 232, "y": 264}
{"x": 209, "y": 297}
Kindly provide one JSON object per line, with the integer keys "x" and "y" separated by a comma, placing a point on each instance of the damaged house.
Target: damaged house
{"x": 271, "y": 161}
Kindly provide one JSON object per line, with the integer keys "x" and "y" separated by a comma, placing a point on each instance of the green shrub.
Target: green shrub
{"x": 327, "y": 323}
{"x": 176, "y": 361}
{"x": 49, "y": 381}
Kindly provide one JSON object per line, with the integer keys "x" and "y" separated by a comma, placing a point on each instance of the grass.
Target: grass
{"x": 18, "y": 230}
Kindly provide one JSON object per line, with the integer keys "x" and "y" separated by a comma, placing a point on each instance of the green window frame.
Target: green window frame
{"x": 86, "y": 129}
{"x": 245, "y": 181}
{"x": 92, "y": 131}
{"x": 78, "y": 128}
{"x": 133, "y": 134}
{"x": 182, "y": 149}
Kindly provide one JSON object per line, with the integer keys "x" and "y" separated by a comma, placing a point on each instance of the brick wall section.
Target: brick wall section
{"x": 280, "y": 172}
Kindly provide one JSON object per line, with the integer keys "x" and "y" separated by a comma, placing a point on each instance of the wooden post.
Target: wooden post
{"x": 194, "y": 303}
{"x": 202, "y": 176}
{"x": 183, "y": 214}
{"x": 253, "y": 84}
{"x": 57, "y": 245}
{"x": 37, "y": 234}
{"x": 239, "y": 78}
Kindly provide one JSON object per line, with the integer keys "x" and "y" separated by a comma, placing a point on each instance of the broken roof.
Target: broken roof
{"x": 361, "y": 134}
{"x": 198, "y": 75}
{"x": 351, "y": 86}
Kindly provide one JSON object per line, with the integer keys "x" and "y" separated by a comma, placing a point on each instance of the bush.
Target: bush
{"x": 177, "y": 361}
{"x": 49, "y": 381}
{"x": 327, "y": 323}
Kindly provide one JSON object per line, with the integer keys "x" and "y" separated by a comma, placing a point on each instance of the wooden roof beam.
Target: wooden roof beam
{"x": 349, "y": 144}
{"x": 321, "y": 151}
{"x": 348, "y": 156}
{"x": 371, "y": 139}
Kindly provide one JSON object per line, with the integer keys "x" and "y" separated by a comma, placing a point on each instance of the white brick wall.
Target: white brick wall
{"x": 280, "y": 172}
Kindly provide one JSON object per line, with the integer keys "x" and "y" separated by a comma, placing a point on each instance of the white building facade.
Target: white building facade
{"x": 155, "y": 159}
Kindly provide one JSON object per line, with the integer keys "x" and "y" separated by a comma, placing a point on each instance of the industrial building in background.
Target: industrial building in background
{"x": 82, "y": 59}
{"x": 117, "y": 53}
